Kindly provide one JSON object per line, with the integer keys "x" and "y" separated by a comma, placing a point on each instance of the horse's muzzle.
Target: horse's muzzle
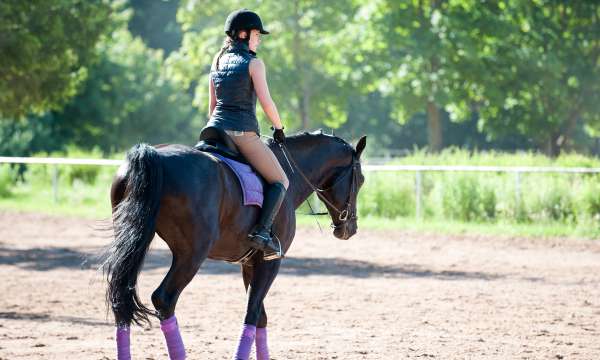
{"x": 345, "y": 231}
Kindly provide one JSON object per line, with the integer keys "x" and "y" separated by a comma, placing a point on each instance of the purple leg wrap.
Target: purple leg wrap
{"x": 245, "y": 343}
{"x": 173, "y": 338}
{"x": 262, "y": 350}
{"x": 123, "y": 352}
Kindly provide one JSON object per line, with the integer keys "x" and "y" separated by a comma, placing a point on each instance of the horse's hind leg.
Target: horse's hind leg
{"x": 188, "y": 254}
{"x": 258, "y": 279}
{"x": 164, "y": 298}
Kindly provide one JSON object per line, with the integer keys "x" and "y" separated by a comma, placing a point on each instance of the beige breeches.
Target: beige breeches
{"x": 259, "y": 155}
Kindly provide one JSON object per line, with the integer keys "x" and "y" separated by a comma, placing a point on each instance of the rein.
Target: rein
{"x": 344, "y": 214}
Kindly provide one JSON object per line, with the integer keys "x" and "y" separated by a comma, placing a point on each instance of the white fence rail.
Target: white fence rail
{"x": 417, "y": 169}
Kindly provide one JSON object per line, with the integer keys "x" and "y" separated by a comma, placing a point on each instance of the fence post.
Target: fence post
{"x": 55, "y": 182}
{"x": 418, "y": 193}
{"x": 518, "y": 188}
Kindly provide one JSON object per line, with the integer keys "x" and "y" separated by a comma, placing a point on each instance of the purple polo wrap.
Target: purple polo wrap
{"x": 123, "y": 344}
{"x": 170, "y": 329}
{"x": 245, "y": 342}
{"x": 262, "y": 350}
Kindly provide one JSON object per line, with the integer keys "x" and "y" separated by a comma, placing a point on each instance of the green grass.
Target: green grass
{"x": 452, "y": 203}
{"x": 436, "y": 226}
{"x": 43, "y": 202}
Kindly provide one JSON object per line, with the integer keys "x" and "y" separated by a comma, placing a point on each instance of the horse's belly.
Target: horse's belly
{"x": 232, "y": 243}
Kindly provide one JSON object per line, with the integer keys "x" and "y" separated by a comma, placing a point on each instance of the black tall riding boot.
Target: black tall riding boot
{"x": 260, "y": 237}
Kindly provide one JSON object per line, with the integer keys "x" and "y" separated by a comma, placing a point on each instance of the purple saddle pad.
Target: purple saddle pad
{"x": 252, "y": 187}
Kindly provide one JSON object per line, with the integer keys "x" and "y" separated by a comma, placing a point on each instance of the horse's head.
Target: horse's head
{"x": 341, "y": 190}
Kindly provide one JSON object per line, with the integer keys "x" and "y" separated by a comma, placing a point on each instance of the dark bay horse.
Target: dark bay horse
{"x": 194, "y": 203}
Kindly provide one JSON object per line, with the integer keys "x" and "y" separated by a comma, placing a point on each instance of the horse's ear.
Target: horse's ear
{"x": 360, "y": 146}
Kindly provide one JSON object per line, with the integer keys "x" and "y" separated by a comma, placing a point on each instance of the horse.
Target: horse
{"x": 194, "y": 203}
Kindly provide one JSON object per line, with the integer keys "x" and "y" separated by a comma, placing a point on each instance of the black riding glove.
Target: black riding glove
{"x": 278, "y": 135}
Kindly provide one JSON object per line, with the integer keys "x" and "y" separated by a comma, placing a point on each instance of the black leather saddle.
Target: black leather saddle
{"x": 216, "y": 140}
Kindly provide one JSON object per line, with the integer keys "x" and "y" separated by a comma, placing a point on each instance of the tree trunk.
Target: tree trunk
{"x": 557, "y": 142}
{"x": 570, "y": 129}
{"x": 434, "y": 127}
{"x": 552, "y": 146}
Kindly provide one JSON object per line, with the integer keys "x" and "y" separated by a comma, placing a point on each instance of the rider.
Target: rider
{"x": 237, "y": 78}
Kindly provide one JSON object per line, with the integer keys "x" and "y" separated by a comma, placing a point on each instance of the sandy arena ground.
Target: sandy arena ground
{"x": 380, "y": 295}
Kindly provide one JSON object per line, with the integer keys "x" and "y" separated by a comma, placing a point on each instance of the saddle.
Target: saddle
{"x": 215, "y": 140}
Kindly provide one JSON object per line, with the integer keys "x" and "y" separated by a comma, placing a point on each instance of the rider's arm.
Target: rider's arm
{"x": 259, "y": 78}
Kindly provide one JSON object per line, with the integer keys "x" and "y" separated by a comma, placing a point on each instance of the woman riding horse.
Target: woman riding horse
{"x": 237, "y": 78}
{"x": 194, "y": 202}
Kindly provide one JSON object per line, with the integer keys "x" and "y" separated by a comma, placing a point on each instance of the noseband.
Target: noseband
{"x": 346, "y": 213}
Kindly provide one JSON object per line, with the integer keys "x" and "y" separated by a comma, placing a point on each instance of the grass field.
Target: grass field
{"x": 455, "y": 203}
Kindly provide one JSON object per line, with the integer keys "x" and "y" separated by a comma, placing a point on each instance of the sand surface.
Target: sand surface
{"x": 379, "y": 295}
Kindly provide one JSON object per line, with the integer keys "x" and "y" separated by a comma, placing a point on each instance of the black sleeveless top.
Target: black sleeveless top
{"x": 235, "y": 95}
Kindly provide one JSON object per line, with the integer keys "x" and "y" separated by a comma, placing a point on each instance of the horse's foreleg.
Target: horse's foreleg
{"x": 262, "y": 349}
{"x": 258, "y": 280}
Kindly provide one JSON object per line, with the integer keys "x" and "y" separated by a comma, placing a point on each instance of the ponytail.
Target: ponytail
{"x": 230, "y": 39}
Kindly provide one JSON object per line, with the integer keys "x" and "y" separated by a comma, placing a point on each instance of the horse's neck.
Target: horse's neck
{"x": 313, "y": 163}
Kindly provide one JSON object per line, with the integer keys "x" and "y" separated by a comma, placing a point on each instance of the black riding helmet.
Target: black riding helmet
{"x": 243, "y": 19}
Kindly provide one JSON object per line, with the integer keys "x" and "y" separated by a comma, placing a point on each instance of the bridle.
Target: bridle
{"x": 347, "y": 213}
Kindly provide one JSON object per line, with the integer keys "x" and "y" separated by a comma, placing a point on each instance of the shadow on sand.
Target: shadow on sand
{"x": 42, "y": 259}
{"x": 42, "y": 317}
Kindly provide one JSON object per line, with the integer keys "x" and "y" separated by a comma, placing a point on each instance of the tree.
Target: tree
{"x": 543, "y": 70}
{"x": 155, "y": 22}
{"x": 128, "y": 99}
{"x": 46, "y": 47}
{"x": 403, "y": 49}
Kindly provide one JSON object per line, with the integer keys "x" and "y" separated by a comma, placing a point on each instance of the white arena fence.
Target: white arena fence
{"x": 417, "y": 169}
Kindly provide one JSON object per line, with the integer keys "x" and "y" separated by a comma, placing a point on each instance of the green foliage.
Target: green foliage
{"x": 516, "y": 74}
{"x": 465, "y": 198}
{"x": 540, "y": 69}
{"x": 387, "y": 195}
{"x": 82, "y": 190}
{"x": 489, "y": 197}
{"x": 82, "y": 173}
{"x": 46, "y": 48}
{"x": 553, "y": 202}
{"x": 590, "y": 200}
{"x": 155, "y": 22}
{"x": 127, "y": 99}
{"x": 6, "y": 181}
{"x": 456, "y": 156}
{"x": 566, "y": 204}
{"x": 529, "y": 68}
{"x": 411, "y": 50}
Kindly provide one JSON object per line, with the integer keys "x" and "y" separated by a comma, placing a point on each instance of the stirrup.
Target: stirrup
{"x": 261, "y": 245}
{"x": 269, "y": 255}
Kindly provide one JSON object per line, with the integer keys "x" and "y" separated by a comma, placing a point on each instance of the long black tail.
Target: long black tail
{"x": 134, "y": 222}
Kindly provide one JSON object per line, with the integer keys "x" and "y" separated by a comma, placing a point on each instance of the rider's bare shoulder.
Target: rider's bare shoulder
{"x": 257, "y": 66}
